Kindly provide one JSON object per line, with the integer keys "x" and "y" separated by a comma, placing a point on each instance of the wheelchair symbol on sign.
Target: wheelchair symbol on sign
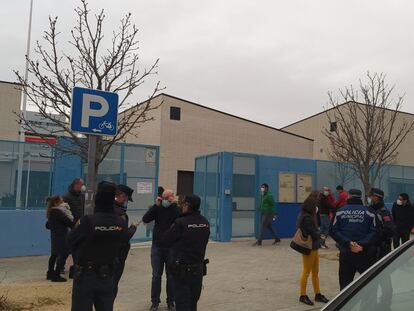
{"x": 107, "y": 125}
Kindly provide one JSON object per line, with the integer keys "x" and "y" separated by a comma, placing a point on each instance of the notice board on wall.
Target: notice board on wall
{"x": 287, "y": 187}
{"x": 304, "y": 188}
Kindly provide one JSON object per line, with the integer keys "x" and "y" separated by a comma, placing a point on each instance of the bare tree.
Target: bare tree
{"x": 366, "y": 127}
{"x": 92, "y": 65}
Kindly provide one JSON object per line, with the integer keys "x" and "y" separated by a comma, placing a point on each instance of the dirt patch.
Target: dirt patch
{"x": 36, "y": 296}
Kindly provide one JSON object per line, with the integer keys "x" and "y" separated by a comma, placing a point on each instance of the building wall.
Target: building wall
{"x": 10, "y": 99}
{"x": 148, "y": 133}
{"x": 314, "y": 126}
{"x": 202, "y": 131}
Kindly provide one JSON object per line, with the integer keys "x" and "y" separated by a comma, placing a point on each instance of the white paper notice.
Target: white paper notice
{"x": 144, "y": 187}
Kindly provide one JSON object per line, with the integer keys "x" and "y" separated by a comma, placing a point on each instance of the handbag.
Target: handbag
{"x": 300, "y": 243}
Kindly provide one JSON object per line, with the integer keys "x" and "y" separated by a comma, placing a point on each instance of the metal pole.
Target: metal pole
{"x": 24, "y": 105}
{"x": 28, "y": 179}
{"x": 90, "y": 185}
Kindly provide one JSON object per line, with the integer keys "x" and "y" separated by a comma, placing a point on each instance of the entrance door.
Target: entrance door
{"x": 185, "y": 181}
{"x": 244, "y": 193}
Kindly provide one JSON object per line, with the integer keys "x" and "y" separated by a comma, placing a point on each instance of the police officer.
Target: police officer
{"x": 97, "y": 242}
{"x": 385, "y": 224}
{"x": 353, "y": 228}
{"x": 123, "y": 196}
{"x": 188, "y": 238}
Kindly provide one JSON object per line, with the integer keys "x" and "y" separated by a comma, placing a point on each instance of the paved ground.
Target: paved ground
{"x": 241, "y": 277}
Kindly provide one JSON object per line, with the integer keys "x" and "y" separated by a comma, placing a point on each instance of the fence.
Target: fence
{"x": 45, "y": 171}
{"x": 228, "y": 184}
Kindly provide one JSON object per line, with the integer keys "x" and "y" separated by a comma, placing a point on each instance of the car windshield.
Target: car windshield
{"x": 392, "y": 289}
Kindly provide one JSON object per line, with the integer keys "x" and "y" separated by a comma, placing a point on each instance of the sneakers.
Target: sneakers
{"x": 257, "y": 243}
{"x": 171, "y": 307}
{"x": 154, "y": 307}
{"x": 305, "y": 299}
{"x": 321, "y": 298}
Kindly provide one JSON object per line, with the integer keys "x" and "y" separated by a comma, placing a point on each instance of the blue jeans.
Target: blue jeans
{"x": 160, "y": 258}
{"x": 325, "y": 224}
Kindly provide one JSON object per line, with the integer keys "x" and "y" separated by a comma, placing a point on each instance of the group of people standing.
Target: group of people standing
{"x": 364, "y": 233}
{"x": 100, "y": 244}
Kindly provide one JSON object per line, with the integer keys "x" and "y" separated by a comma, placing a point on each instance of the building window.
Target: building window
{"x": 334, "y": 126}
{"x": 175, "y": 113}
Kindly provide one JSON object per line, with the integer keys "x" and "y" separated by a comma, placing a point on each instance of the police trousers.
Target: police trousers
{"x": 350, "y": 263}
{"x": 187, "y": 291}
{"x": 93, "y": 290}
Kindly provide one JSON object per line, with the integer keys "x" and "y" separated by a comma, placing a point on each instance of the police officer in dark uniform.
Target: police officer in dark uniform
{"x": 123, "y": 196}
{"x": 188, "y": 238}
{"x": 353, "y": 228}
{"x": 385, "y": 224}
{"x": 97, "y": 241}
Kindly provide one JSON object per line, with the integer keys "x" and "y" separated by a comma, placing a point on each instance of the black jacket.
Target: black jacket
{"x": 99, "y": 238}
{"x": 163, "y": 217}
{"x": 120, "y": 211}
{"x": 75, "y": 201}
{"x": 188, "y": 238}
{"x": 384, "y": 224}
{"x": 306, "y": 223}
{"x": 58, "y": 223}
{"x": 59, "y": 226}
{"x": 403, "y": 216}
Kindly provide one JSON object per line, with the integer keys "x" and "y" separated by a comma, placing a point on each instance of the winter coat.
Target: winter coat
{"x": 306, "y": 223}
{"x": 75, "y": 201}
{"x": 267, "y": 204}
{"x": 59, "y": 225}
{"x": 326, "y": 204}
{"x": 403, "y": 216}
{"x": 164, "y": 217}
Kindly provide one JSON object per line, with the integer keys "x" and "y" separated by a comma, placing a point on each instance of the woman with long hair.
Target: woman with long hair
{"x": 307, "y": 222}
{"x": 59, "y": 221}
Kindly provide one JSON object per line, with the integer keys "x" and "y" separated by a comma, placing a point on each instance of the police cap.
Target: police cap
{"x": 127, "y": 190}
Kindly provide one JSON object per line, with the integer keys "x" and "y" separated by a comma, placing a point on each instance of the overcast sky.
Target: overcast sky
{"x": 269, "y": 61}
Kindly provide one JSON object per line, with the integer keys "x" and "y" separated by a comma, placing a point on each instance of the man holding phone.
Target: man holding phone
{"x": 164, "y": 213}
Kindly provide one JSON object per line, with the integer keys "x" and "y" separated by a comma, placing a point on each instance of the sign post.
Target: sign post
{"x": 94, "y": 113}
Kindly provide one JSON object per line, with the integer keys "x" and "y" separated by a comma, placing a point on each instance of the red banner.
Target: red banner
{"x": 40, "y": 140}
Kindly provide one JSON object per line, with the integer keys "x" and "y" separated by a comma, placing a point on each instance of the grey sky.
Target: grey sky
{"x": 269, "y": 61}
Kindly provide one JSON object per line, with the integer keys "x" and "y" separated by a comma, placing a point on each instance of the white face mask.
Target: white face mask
{"x": 83, "y": 189}
{"x": 399, "y": 203}
{"x": 326, "y": 193}
{"x": 369, "y": 200}
{"x": 262, "y": 190}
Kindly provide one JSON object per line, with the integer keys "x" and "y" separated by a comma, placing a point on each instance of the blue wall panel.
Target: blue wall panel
{"x": 23, "y": 233}
{"x": 285, "y": 224}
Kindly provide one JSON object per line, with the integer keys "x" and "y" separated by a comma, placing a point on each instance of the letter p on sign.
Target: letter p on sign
{"x": 94, "y": 112}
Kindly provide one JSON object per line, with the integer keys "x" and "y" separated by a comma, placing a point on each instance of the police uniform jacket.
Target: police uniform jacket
{"x": 354, "y": 223}
{"x": 98, "y": 238}
{"x": 120, "y": 211}
{"x": 188, "y": 238}
{"x": 384, "y": 222}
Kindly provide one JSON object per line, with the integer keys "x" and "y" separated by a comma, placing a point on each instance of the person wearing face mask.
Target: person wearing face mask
{"x": 385, "y": 224}
{"x": 122, "y": 197}
{"x": 403, "y": 216}
{"x": 164, "y": 212}
{"x": 268, "y": 211}
{"x": 326, "y": 206}
{"x": 75, "y": 198}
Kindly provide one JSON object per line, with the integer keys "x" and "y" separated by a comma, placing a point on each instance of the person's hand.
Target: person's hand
{"x": 356, "y": 248}
{"x": 158, "y": 201}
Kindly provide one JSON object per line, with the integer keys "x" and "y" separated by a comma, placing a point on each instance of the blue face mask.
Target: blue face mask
{"x": 166, "y": 203}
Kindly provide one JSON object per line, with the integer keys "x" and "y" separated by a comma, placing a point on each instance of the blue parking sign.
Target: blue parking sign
{"x": 94, "y": 112}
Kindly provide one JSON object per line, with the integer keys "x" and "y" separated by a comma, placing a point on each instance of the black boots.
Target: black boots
{"x": 49, "y": 275}
{"x": 321, "y": 298}
{"x": 277, "y": 240}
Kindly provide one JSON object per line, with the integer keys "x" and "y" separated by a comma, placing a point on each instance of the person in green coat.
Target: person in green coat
{"x": 268, "y": 211}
